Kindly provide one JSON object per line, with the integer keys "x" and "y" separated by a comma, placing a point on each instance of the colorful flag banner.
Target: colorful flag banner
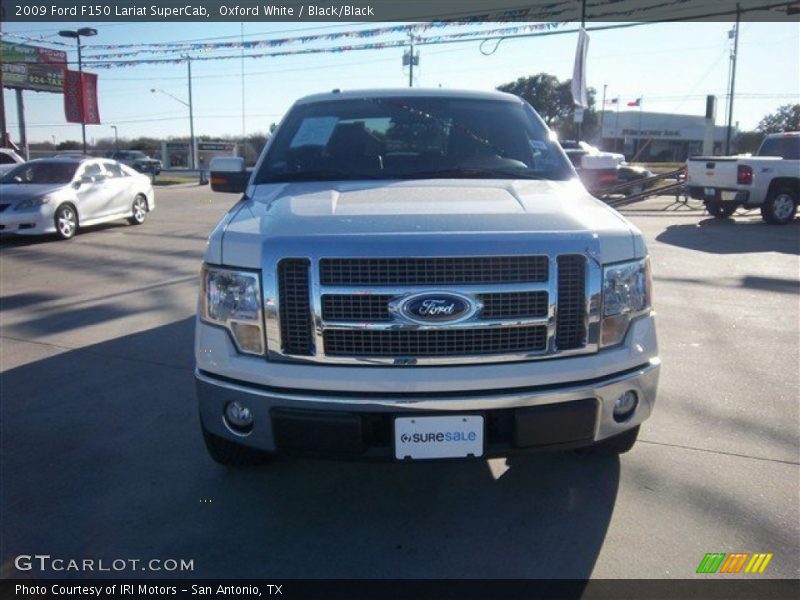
{"x": 80, "y": 98}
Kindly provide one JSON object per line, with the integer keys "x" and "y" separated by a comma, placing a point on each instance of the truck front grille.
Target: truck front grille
{"x": 360, "y": 308}
{"x": 295, "y": 309}
{"x": 342, "y": 310}
{"x": 571, "y": 311}
{"x": 432, "y": 271}
{"x": 436, "y": 342}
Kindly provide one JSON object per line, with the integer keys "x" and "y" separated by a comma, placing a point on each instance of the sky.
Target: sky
{"x": 671, "y": 66}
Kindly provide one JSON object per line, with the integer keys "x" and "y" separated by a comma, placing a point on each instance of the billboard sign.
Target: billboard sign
{"x": 33, "y": 67}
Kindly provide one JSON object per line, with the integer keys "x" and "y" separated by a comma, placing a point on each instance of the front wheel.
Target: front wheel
{"x": 230, "y": 454}
{"x": 66, "y": 221}
{"x": 721, "y": 210}
{"x": 780, "y": 208}
{"x": 138, "y": 210}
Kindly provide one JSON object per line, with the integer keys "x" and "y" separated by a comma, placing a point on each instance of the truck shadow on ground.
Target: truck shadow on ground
{"x": 732, "y": 236}
{"x": 108, "y": 462}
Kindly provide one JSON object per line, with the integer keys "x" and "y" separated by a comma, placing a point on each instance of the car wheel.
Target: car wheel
{"x": 230, "y": 454}
{"x": 721, "y": 210}
{"x": 139, "y": 210}
{"x": 781, "y": 207}
{"x": 66, "y": 221}
{"x": 619, "y": 444}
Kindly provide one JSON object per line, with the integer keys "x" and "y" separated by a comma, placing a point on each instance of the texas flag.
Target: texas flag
{"x": 637, "y": 102}
{"x": 613, "y": 101}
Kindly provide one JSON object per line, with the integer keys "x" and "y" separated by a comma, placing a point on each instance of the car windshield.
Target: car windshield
{"x": 786, "y": 147}
{"x": 33, "y": 172}
{"x": 412, "y": 138}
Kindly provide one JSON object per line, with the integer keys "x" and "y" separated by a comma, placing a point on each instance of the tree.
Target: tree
{"x": 786, "y": 118}
{"x": 69, "y": 145}
{"x": 552, "y": 99}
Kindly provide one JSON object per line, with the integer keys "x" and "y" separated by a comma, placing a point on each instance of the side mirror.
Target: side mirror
{"x": 228, "y": 174}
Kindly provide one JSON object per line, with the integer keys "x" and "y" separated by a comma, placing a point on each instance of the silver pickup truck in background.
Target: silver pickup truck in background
{"x": 770, "y": 180}
{"x": 419, "y": 274}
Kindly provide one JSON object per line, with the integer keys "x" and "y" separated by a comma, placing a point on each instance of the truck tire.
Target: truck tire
{"x": 721, "y": 210}
{"x": 780, "y": 207}
{"x": 619, "y": 444}
{"x": 230, "y": 454}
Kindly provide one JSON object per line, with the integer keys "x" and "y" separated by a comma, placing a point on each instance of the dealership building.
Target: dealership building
{"x": 658, "y": 137}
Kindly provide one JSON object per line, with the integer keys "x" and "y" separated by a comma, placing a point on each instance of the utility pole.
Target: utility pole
{"x": 241, "y": 25}
{"x": 733, "y": 80}
{"x": 411, "y": 64}
{"x": 410, "y": 59}
{"x": 4, "y": 140}
{"x": 602, "y": 115}
{"x": 116, "y": 138}
{"x": 23, "y": 135}
{"x": 192, "y": 141}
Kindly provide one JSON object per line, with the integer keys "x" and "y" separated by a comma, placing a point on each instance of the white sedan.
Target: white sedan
{"x": 59, "y": 195}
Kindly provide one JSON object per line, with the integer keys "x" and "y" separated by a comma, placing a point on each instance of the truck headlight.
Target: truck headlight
{"x": 33, "y": 202}
{"x": 627, "y": 294}
{"x": 232, "y": 299}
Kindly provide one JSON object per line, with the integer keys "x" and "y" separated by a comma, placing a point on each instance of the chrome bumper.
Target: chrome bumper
{"x": 214, "y": 393}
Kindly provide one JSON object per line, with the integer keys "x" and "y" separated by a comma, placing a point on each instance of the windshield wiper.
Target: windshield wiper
{"x": 472, "y": 173}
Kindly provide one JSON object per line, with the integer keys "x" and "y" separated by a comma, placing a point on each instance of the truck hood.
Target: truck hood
{"x": 490, "y": 216}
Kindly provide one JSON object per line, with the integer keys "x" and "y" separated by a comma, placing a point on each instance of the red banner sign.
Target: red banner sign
{"x": 80, "y": 98}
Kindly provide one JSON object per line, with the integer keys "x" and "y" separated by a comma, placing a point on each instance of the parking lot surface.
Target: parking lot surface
{"x": 103, "y": 458}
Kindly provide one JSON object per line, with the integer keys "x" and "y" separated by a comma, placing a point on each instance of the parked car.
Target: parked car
{"x": 770, "y": 180}
{"x": 60, "y": 195}
{"x": 599, "y": 169}
{"x": 8, "y": 160}
{"x": 139, "y": 161}
{"x": 419, "y": 274}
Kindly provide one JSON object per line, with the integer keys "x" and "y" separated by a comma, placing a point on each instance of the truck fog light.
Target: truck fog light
{"x": 625, "y": 405}
{"x": 248, "y": 337}
{"x": 238, "y": 417}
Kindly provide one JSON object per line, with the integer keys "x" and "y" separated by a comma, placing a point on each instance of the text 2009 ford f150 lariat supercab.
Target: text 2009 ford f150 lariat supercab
{"x": 417, "y": 275}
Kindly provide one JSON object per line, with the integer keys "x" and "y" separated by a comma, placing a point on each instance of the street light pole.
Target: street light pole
{"x": 85, "y": 32}
{"x": 191, "y": 112}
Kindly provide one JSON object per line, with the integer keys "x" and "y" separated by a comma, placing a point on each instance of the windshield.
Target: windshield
{"x": 786, "y": 147}
{"x": 412, "y": 138}
{"x": 41, "y": 173}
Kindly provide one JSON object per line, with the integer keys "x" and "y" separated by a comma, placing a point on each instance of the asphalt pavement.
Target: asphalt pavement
{"x": 102, "y": 455}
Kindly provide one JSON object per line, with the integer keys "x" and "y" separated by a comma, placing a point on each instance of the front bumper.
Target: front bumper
{"x": 359, "y": 425}
{"x": 27, "y": 222}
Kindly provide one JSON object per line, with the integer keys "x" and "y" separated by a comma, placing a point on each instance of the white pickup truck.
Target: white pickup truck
{"x": 419, "y": 274}
{"x": 770, "y": 180}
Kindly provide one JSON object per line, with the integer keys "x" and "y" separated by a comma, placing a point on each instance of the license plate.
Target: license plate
{"x": 438, "y": 437}
{"x": 710, "y": 191}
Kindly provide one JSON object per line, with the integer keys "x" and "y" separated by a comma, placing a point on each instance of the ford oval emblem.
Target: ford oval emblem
{"x": 437, "y": 307}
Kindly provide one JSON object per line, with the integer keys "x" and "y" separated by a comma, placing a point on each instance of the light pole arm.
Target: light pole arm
{"x": 171, "y": 96}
